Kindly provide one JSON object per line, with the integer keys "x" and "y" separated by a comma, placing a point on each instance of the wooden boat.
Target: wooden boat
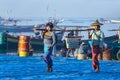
{"x": 36, "y": 43}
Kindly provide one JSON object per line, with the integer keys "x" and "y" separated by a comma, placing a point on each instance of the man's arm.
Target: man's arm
{"x": 90, "y": 34}
{"x": 54, "y": 39}
{"x": 43, "y": 33}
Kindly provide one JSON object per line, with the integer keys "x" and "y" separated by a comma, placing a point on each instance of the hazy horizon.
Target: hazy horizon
{"x": 60, "y": 8}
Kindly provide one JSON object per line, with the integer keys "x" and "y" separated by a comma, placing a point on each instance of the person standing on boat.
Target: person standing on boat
{"x": 70, "y": 34}
{"x": 37, "y": 33}
{"x": 49, "y": 41}
{"x": 97, "y": 37}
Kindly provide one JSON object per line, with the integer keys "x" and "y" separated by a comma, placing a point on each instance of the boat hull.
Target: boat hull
{"x": 36, "y": 43}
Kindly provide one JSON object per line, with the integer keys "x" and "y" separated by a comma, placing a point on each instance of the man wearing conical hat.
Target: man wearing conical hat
{"x": 97, "y": 37}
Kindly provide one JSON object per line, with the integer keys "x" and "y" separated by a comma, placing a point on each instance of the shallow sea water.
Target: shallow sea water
{"x": 33, "y": 68}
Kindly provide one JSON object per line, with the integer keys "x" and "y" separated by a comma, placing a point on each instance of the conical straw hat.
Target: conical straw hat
{"x": 96, "y": 23}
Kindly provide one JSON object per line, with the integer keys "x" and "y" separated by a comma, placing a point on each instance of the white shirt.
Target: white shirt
{"x": 97, "y": 38}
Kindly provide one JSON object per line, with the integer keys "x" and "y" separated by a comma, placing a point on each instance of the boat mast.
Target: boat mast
{"x": 47, "y": 9}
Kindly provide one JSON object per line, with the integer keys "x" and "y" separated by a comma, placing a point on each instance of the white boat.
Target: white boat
{"x": 115, "y": 21}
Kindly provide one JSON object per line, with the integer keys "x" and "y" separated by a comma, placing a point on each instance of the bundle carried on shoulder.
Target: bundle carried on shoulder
{"x": 72, "y": 41}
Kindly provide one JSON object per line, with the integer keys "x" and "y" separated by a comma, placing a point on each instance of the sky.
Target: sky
{"x": 60, "y": 8}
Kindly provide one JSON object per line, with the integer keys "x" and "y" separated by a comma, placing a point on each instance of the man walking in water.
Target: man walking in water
{"x": 97, "y": 37}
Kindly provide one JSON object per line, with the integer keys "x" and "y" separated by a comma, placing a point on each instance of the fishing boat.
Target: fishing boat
{"x": 115, "y": 21}
{"x": 37, "y": 43}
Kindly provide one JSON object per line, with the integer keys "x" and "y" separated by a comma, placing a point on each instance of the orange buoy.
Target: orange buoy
{"x": 23, "y": 45}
